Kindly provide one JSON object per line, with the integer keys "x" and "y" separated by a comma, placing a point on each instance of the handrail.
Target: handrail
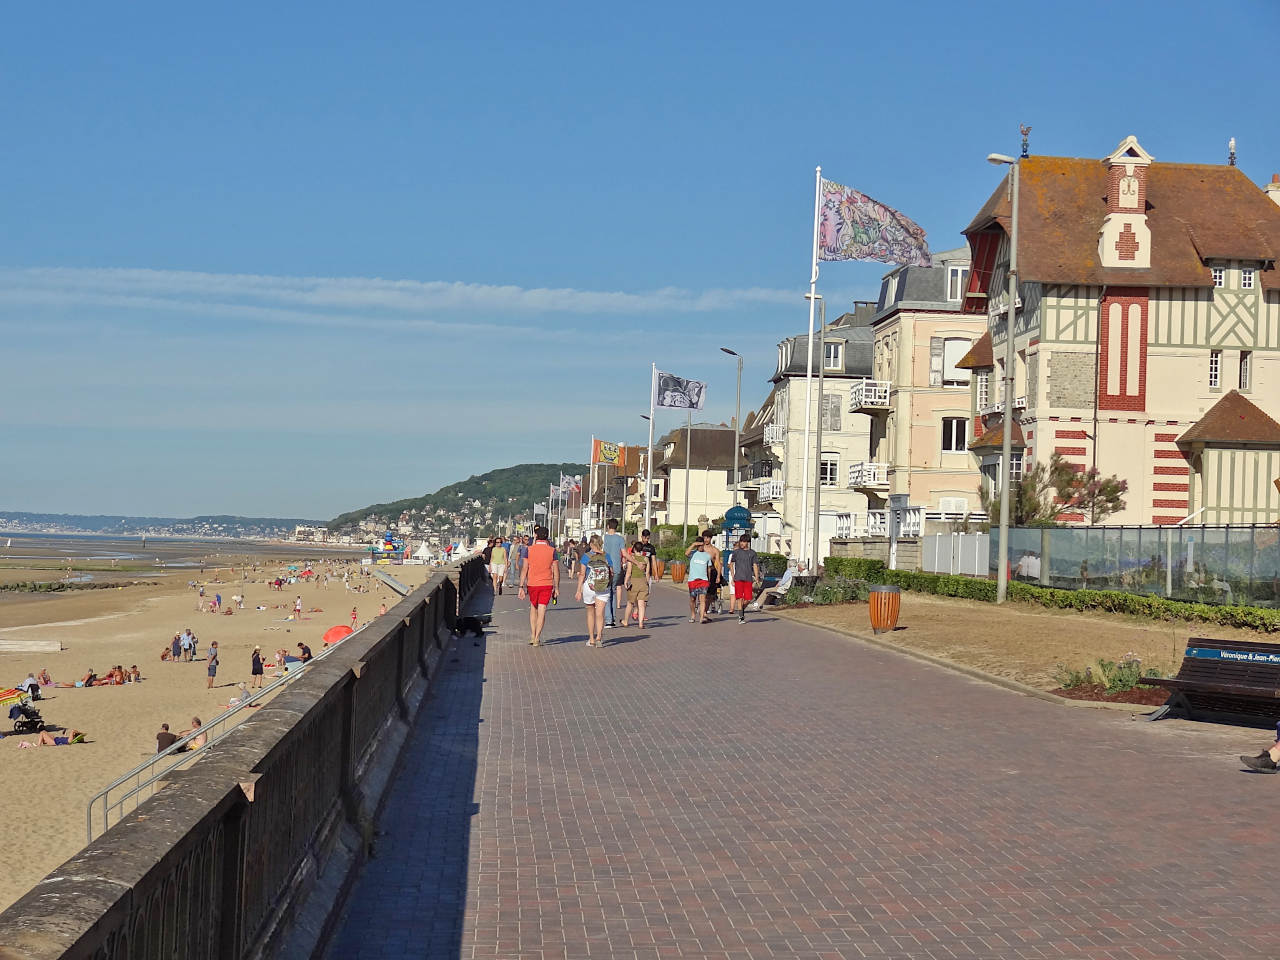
{"x": 178, "y": 749}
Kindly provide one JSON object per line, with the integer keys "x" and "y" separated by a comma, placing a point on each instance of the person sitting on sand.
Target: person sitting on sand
{"x": 31, "y": 686}
{"x": 135, "y": 675}
{"x": 164, "y": 654}
{"x": 165, "y": 739}
{"x": 196, "y": 742}
{"x": 44, "y": 678}
{"x": 89, "y": 679}
{"x": 304, "y": 652}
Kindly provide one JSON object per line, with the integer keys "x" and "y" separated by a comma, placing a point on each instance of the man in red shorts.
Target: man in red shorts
{"x": 540, "y": 579}
{"x": 745, "y": 565}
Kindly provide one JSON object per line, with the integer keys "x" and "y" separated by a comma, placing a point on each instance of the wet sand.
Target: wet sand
{"x": 47, "y": 788}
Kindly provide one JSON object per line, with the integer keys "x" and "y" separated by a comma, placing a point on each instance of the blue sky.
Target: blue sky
{"x": 291, "y": 259}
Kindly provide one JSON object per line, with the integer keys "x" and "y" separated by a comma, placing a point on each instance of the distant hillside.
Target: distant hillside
{"x": 512, "y": 490}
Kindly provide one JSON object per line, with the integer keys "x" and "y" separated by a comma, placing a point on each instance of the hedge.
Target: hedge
{"x": 1110, "y": 601}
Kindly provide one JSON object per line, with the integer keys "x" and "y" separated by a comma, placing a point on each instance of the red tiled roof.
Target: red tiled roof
{"x": 1233, "y": 420}
{"x": 1194, "y": 211}
{"x": 980, "y": 356}
{"x": 994, "y": 438}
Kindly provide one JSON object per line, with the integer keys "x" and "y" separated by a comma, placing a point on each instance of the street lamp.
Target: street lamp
{"x": 737, "y": 420}
{"x": 1006, "y": 449}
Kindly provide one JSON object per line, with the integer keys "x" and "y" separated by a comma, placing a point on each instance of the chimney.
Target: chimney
{"x": 1272, "y": 189}
{"x": 1124, "y": 239}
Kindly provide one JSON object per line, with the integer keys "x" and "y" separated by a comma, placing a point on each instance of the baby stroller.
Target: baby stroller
{"x": 26, "y": 718}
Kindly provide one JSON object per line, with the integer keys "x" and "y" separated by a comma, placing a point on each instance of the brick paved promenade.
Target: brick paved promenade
{"x": 775, "y": 790}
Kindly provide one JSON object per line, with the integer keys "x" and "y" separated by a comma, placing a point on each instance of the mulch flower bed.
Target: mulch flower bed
{"x": 1143, "y": 696}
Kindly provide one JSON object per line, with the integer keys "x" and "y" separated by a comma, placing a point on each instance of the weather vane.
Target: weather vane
{"x": 1026, "y": 129}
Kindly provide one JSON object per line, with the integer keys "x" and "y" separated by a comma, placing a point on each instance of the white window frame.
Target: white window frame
{"x": 1219, "y": 276}
{"x": 1015, "y": 467}
{"x": 966, "y": 374}
{"x": 984, "y": 388}
{"x": 833, "y": 349}
{"x": 1246, "y": 278}
{"x": 829, "y": 477}
{"x": 1246, "y": 369}
{"x": 957, "y": 280}
{"x": 1215, "y": 369}
{"x": 949, "y": 431}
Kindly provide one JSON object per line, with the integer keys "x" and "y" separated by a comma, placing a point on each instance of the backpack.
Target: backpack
{"x": 598, "y": 573}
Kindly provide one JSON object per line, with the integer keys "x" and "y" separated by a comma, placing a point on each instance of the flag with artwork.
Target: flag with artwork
{"x": 604, "y": 452}
{"x": 672, "y": 391}
{"x": 852, "y": 226}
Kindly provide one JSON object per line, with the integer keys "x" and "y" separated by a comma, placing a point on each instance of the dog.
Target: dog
{"x": 465, "y": 625}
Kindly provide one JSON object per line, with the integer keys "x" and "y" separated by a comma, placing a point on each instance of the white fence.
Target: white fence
{"x": 966, "y": 553}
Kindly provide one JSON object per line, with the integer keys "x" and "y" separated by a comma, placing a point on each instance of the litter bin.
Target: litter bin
{"x": 884, "y": 603}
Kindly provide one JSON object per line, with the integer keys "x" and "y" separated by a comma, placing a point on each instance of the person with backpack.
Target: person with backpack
{"x": 595, "y": 582}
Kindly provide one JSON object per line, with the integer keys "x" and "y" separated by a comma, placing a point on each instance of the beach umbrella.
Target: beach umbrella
{"x": 334, "y": 634}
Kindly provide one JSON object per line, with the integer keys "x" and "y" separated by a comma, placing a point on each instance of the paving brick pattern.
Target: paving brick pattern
{"x": 774, "y": 790}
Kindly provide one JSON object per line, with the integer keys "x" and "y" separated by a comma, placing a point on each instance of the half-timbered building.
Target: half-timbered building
{"x": 1146, "y": 332}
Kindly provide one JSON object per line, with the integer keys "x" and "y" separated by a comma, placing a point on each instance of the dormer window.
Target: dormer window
{"x": 890, "y": 289}
{"x": 833, "y": 356}
{"x": 1246, "y": 279}
{"x": 957, "y": 280}
{"x": 1219, "y": 277}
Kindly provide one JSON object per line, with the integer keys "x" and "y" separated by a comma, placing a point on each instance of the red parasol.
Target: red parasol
{"x": 334, "y": 634}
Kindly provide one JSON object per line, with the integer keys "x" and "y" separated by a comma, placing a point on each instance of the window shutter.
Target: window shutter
{"x": 935, "y": 361}
{"x": 831, "y": 412}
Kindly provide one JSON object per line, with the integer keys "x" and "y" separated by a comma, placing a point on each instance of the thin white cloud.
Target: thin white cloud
{"x": 163, "y": 288}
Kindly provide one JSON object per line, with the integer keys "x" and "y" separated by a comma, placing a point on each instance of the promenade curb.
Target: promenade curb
{"x": 975, "y": 673}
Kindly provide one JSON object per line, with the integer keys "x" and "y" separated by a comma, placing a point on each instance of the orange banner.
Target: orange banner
{"x": 604, "y": 452}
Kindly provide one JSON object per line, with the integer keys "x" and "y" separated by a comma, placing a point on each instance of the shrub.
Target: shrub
{"x": 1066, "y": 677}
{"x": 772, "y": 563}
{"x": 839, "y": 590}
{"x": 1111, "y": 601}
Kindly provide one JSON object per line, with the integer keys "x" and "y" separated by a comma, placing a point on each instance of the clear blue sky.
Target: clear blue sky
{"x": 291, "y": 259}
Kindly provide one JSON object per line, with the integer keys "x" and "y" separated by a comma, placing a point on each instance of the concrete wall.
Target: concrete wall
{"x": 909, "y": 551}
{"x": 246, "y": 853}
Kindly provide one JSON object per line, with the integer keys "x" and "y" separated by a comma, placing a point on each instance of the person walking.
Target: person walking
{"x": 744, "y": 569}
{"x": 595, "y": 583}
{"x": 297, "y": 608}
{"x": 613, "y": 545}
{"x": 637, "y": 584}
{"x": 645, "y": 546}
{"x": 498, "y": 565}
{"x": 715, "y": 571}
{"x": 540, "y": 581}
{"x": 212, "y": 663}
{"x": 700, "y": 566}
{"x": 255, "y": 668}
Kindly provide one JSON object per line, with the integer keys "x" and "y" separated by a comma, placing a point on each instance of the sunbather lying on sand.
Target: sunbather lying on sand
{"x": 47, "y": 739}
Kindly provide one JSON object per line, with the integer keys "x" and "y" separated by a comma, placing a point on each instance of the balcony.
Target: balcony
{"x": 869, "y": 395}
{"x": 771, "y": 491}
{"x": 750, "y": 477}
{"x": 912, "y": 523}
{"x": 1019, "y": 403}
{"x": 869, "y": 476}
{"x": 775, "y": 434}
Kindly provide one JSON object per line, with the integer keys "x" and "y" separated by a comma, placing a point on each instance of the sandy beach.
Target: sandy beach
{"x": 43, "y": 805}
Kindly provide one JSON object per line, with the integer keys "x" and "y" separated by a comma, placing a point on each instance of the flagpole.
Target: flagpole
{"x": 803, "y": 552}
{"x": 648, "y": 460}
{"x": 591, "y": 484}
{"x": 688, "y": 447}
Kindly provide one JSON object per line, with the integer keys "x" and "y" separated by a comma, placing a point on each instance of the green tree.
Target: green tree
{"x": 1048, "y": 490}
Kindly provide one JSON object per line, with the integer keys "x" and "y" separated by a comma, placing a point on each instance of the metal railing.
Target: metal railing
{"x": 869, "y": 394}
{"x": 1019, "y": 403}
{"x": 772, "y": 490}
{"x": 147, "y": 775}
{"x": 211, "y": 865}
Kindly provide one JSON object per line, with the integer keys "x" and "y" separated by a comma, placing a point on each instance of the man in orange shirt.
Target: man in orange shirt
{"x": 540, "y": 579}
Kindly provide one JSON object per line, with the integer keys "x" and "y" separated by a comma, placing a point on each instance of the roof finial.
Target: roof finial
{"x": 1025, "y": 130}
{"x": 1231, "y": 151}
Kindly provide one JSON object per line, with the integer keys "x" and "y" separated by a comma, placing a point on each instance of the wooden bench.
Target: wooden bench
{"x": 1224, "y": 678}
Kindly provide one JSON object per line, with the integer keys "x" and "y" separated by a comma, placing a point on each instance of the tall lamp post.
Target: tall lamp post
{"x": 737, "y": 421}
{"x": 1006, "y": 449}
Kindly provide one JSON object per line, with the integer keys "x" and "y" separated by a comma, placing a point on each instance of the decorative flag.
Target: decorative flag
{"x": 605, "y": 452}
{"x": 852, "y": 226}
{"x": 672, "y": 391}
